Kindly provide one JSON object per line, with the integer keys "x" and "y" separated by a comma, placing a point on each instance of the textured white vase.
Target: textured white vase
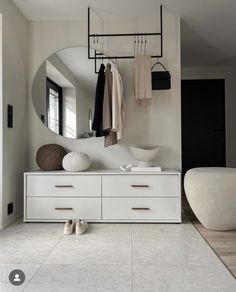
{"x": 144, "y": 155}
{"x": 76, "y": 161}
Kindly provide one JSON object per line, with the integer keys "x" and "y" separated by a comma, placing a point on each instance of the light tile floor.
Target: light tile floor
{"x": 111, "y": 257}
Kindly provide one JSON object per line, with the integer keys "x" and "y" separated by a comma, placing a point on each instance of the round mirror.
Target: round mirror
{"x": 64, "y": 91}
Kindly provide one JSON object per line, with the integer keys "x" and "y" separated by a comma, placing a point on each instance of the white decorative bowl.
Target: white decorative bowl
{"x": 76, "y": 161}
{"x": 144, "y": 154}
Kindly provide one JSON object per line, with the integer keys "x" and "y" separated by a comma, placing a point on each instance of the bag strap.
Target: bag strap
{"x": 159, "y": 63}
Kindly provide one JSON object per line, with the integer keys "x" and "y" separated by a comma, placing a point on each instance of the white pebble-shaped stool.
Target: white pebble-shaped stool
{"x": 76, "y": 161}
{"x": 211, "y": 193}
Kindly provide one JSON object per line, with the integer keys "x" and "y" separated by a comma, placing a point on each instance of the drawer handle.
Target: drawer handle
{"x": 63, "y": 209}
{"x": 140, "y": 209}
{"x": 140, "y": 186}
{"x": 63, "y": 186}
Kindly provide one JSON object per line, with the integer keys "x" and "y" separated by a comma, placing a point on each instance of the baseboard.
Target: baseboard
{"x": 3, "y": 226}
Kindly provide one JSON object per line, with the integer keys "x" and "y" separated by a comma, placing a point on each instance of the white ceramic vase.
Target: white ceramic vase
{"x": 145, "y": 155}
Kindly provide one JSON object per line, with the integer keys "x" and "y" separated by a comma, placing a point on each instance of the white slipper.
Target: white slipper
{"x": 69, "y": 227}
{"x": 81, "y": 226}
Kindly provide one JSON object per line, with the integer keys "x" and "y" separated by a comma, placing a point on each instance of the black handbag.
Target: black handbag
{"x": 161, "y": 80}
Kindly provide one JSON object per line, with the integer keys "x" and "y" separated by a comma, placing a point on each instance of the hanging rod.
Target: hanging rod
{"x": 118, "y": 57}
{"x": 95, "y": 57}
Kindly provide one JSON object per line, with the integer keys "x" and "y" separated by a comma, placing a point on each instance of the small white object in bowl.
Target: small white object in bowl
{"x": 76, "y": 161}
{"x": 144, "y": 155}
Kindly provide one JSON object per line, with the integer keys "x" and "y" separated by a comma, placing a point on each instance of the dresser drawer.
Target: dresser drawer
{"x": 140, "y": 185}
{"x": 141, "y": 209}
{"x": 63, "y": 208}
{"x": 63, "y": 185}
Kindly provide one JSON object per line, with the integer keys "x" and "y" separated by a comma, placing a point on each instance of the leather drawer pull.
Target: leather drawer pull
{"x": 140, "y": 209}
{"x": 63, "y": 209}
{"x": 140, "y": 186}
{"x": 63, "y": 186}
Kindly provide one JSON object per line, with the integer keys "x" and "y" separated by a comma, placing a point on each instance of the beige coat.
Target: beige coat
{"x": 107, "y": 100}
{"x": 118, "y": 107}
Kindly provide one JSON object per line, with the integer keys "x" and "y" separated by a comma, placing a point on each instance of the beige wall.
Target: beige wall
{"x": 229, "y": 74}
{"x": 15, "y": 141}
{"x": 158, "y": 125}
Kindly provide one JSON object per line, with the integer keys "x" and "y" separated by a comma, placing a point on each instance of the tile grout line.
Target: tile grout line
{"x": 132, "y": 270}
{"x": 40, "y": 265}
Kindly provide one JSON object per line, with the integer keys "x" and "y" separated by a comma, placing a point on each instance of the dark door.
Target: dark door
{"x": 203, "y": 123}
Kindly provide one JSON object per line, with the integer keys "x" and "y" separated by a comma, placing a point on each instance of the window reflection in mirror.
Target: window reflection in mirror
{"x": 54, "y": 107}
{"x": 64, "y": 91}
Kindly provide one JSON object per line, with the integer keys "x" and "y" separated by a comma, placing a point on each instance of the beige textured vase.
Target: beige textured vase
{"x": 211, "y": 193}
{"x": 144, "y": 155}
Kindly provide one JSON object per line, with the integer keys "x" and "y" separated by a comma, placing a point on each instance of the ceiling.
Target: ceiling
{"x": 207, "y": 30}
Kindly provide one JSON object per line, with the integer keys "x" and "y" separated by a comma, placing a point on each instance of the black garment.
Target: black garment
{"x": 98, "y": 109}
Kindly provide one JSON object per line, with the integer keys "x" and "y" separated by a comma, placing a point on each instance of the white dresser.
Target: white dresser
{"x": 102, "y": 196}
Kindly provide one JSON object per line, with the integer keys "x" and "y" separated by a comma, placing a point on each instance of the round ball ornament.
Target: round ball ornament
{"x": 49, "y": 157}
{"x": 76, "y": 161}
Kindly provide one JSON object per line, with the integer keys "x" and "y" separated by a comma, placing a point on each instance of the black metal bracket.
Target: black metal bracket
{"x": 100, "y": 56}
{"x": 96, "y": 54}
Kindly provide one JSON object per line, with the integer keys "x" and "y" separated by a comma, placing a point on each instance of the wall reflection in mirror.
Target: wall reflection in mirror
{"x": 64, "y": 92}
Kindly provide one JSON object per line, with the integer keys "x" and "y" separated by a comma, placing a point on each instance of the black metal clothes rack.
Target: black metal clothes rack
{"x": 96, "y": 55}
{"x": 101, "y": 56}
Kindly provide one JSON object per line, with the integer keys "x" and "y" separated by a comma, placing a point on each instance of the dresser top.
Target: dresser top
{"x": 104, "y": 172}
